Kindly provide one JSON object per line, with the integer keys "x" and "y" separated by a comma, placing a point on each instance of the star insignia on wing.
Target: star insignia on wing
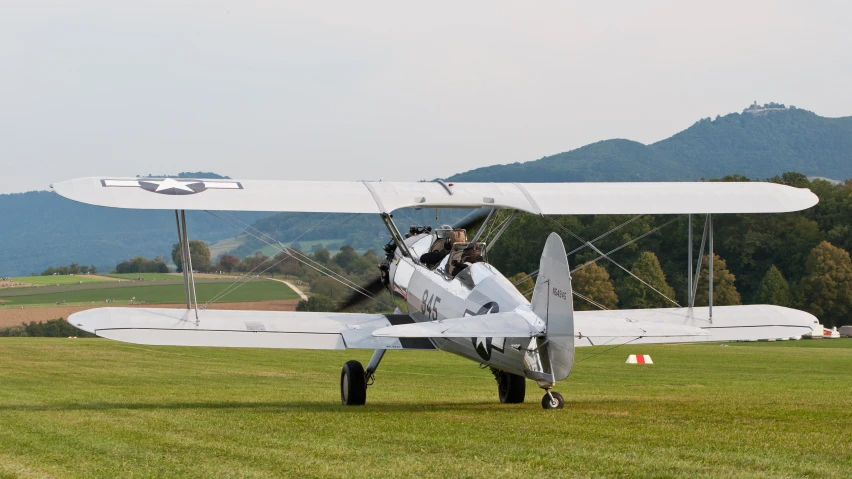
{"x": 170, "y": 186}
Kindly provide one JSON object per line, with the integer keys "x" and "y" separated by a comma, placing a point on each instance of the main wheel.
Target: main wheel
{"x": 558, "y": 402}
{"x": 511, "y": 387}
{"x": 353, "y": 384}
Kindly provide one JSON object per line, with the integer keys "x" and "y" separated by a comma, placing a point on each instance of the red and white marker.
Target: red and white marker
{"x": 639, "y": 359}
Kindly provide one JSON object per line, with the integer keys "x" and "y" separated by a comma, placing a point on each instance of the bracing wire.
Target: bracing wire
{"x": 301, "y": 257}
{"x": 606, "y": 256}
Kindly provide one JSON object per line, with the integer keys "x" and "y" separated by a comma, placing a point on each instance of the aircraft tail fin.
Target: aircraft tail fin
{"x": 553, "y": 301}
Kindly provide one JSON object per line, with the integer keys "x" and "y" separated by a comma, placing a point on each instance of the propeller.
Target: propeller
{"x": 357, "y": 297}
{"x": 473, "y": 219}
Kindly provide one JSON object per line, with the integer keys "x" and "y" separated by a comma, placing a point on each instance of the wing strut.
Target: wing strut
{"x": 182, "y": 259}
{"x": 186, "y": 263}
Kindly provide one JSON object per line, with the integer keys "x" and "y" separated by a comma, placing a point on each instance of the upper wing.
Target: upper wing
{"x": 384, "y": 197}
{"x": 244, "y": 329}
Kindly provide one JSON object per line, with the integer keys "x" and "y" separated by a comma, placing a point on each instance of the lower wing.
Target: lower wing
{"x": 758, "y": 322}
{"x": 245, "y": 329}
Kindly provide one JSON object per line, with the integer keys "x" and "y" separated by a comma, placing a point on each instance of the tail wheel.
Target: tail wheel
{"x": 353, "y": 384}
{"x": 511, "y": 387}
{"x": 553, "y": 401}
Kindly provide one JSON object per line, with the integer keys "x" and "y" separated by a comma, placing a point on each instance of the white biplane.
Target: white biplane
{"x": 456, "y": 301}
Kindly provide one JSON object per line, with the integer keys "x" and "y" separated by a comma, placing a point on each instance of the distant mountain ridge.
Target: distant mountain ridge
{"x": 761, "y": 142}
{"x": 40, "y": 229}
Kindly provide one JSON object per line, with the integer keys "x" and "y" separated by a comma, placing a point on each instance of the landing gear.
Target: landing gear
{"x": 354, "y": 380}
{"x": 353, "y": 384}
{"x": 510, "y": 387}
{"x": 552, "y": 400}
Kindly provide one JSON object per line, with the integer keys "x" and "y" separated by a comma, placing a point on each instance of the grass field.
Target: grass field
{"x": 255, "y": 290}
{"x": 61, "y": 280}
{"x": 95, "y": 408}
{"x": 147, "y": 276}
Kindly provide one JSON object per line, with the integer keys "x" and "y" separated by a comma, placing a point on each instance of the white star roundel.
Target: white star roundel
{"x": 171, "y": 186}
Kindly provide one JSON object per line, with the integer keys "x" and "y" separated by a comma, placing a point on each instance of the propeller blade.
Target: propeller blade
{"x": 473, "y": 219}
{"x": 357, "y": 298}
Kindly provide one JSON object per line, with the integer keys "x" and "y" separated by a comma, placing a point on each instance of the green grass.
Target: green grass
{"x": 255, "y": 290}
{"x": 95, "y": 408}
{"x": 147, "y": 276}
{"x": 61, "y": 280}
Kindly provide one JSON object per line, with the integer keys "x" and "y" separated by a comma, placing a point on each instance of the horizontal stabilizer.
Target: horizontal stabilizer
{"x": 497, "y": 325}
{"x": 244, "y": 329}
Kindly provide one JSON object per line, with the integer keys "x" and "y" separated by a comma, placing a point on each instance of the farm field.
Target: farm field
{"x": 309, "y": 245}
{"x": 96, "y": 408}
{"x": 167, "y": 292}
{"x": 147, "y": 276}
{"x": 61, "y": 279}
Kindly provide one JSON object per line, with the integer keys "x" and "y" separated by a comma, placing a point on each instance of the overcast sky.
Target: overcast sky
{"x": 369, "y": 90}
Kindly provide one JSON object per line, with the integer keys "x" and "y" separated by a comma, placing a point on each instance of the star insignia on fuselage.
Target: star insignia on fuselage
{"x": 484, "y": 346}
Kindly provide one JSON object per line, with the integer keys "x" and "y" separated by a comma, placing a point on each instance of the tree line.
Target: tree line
{"x": 798, "y": 259}
{"x": 72, "y": 268}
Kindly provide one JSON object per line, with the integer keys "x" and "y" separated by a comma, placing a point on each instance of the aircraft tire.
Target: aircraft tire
{"x": 353, "y": 384}
{"x": 511, "y": 388}
{"x": 558, "y": 401}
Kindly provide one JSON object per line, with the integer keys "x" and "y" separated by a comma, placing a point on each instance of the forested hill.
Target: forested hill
{"x": 760, "y": 142}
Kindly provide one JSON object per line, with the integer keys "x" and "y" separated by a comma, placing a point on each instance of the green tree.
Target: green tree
{"x": 773, "y": 289}
{"x": 285, "y": 264}
{"x": 255, "y": 263}
{"x": 635, "y": 295}
{"x": 227, "y": 263}
{"x": 330, "y": 288}
{"x": 524, "y": 283}
{"x": 138, "y": 264}
{"x": 199, "y": 255}
{"x": 827, "y": 285}
{"x": 724, "y": 291}
{"x": 322, "y": 256}
{"x": 348, "y": 259}
{"x": 593, "y": 282}
{"x": 316, "y": 302}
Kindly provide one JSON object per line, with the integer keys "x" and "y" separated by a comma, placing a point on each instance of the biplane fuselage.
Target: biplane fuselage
{"x": 433, "y": 294}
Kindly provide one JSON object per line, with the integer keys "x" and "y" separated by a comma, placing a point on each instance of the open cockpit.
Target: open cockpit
{"x": 446, "y": 250}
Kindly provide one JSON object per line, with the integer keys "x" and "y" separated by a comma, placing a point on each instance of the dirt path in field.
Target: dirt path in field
{"x": 292, "y": 286}
{"x": 10, "y": 316}
{"x": 97, "y": 276}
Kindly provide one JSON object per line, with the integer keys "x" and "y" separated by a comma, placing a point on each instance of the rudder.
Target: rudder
{"x": 553, "y": 301}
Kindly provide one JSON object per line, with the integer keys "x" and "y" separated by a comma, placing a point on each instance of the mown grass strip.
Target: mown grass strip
{"x": 95, "y": 408}
{"x": 58, "y": 279}
{"x": 255, "y": 290}
{"x": 146, "y": 276}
